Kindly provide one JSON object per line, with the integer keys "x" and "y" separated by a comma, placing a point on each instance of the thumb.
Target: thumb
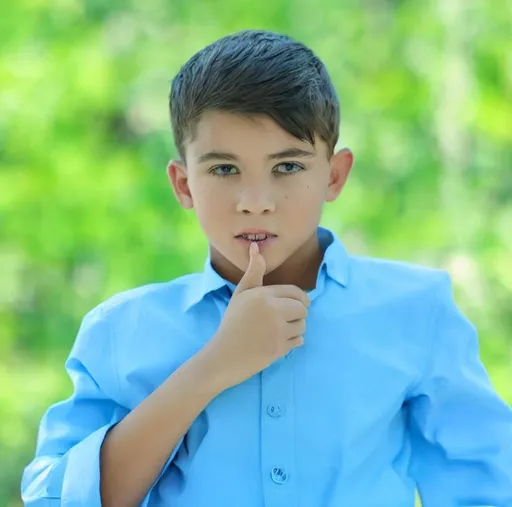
{"x": 253, "y": 277}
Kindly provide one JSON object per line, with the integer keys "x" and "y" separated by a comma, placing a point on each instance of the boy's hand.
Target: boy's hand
{"x": 261, "y": 324}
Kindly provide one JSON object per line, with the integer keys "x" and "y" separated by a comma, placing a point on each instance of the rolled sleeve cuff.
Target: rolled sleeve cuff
{"x": 81, "y": 484}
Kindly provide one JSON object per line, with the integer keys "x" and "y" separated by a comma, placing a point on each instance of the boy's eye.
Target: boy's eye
{"x": 288, "y": 168}
{"x": 284, "y": 168}
{"x": 224, "y": 170}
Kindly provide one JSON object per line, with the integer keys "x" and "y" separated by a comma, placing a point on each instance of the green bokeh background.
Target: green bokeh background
{"x": 86, "y": 211}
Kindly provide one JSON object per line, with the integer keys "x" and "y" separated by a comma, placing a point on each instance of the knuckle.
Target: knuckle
{"x": 256, "y": 292}
{"x": 277, "y": 348}
{"x": 259, "y": 297}
{"x": 303, "y": 297}
{"x": 281, "y": 327}
{"x": 299, "y": 292}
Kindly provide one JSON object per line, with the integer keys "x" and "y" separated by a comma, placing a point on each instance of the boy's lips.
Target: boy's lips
{"x": 260, "y": 236}
{"x": 252, "y": 232}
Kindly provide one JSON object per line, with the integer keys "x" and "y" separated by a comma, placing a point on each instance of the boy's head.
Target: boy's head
{"x": 237, "y": 104}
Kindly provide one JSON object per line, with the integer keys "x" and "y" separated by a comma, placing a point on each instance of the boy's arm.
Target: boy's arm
{"x": 135, "y": 452}
{"x": 66, "y": 469}
{"x": 461, "y": 429}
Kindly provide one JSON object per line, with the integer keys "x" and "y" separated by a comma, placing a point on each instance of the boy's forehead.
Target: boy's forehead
{"x": 228, "y": 132}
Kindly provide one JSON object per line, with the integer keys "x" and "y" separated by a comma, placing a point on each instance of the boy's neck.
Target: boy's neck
{"x": 301, "y": 269}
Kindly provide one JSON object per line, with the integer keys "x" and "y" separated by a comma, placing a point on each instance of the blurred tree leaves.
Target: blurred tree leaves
{"x": 85, "y": 210}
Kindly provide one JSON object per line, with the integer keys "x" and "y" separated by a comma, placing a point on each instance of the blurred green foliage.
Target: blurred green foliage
{"x": 85, "y": 209}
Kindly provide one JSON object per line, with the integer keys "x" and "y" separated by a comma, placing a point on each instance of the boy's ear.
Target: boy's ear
{"x": 178, "y": 176}
{"x": 340, "y": 166}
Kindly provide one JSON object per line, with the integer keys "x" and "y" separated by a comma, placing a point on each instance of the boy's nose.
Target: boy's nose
{"x": 255, "y": 202}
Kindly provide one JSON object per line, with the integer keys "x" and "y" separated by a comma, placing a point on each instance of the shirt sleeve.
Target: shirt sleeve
{"x": 65, "y": 471}
{"x": 461, "y": 429}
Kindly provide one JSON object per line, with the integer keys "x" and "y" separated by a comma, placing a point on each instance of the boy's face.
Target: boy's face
{"x": 237, "y": 184}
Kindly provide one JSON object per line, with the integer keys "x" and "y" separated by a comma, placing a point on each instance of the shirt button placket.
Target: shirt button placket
{"x": 278, "y": 435}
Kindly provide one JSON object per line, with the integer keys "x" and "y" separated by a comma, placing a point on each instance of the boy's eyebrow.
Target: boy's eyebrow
{"x": 287, "y": 153}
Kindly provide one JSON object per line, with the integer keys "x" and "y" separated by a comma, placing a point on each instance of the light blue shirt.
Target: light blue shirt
{"x": 388, "y": 391}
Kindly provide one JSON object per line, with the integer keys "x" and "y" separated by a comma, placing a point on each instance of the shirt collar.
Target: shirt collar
{"x": 335, "y": 262}
{"x": 336, "y": 258}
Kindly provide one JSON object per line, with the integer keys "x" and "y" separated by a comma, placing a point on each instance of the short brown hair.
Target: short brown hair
{"x": 256, "y": 72}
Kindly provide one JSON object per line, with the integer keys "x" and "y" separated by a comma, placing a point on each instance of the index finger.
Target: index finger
{"x": 290, "y": 291}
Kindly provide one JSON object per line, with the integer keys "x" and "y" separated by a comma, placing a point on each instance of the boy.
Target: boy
{"x": 210, "y": 391}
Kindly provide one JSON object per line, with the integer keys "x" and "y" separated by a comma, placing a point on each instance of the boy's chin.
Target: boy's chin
{"x": 227, "y": 262}
{"x": 271, "y": 264}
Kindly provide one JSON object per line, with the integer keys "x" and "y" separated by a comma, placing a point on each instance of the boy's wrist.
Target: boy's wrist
{"x": 209, "y": 370}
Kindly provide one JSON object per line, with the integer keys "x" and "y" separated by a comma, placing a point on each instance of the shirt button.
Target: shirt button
{"x": 275, "y": 410}
{"x": 279, "y": 475}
